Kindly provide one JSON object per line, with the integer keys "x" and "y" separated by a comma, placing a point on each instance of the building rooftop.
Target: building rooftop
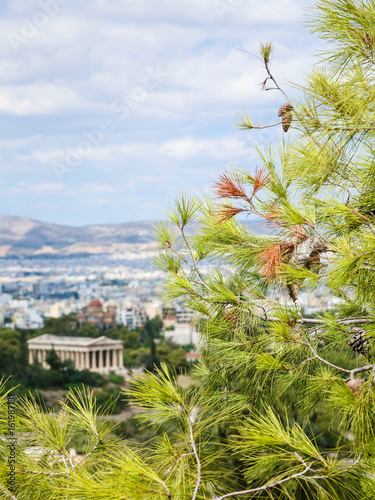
{"x": 95, "y": 303}
{"x": 57, "y": 340}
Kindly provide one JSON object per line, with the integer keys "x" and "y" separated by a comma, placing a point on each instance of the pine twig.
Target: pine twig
{"x": 266, "y": 486}
{"x": 344, "y": 321}
{"x": 195, "y": 452}
{"x": 260, "y": 127}
{"x": 351, "y": 372}
{"x": 88, "y": 454}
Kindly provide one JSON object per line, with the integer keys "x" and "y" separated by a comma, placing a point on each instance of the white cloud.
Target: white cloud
{"x": 39, "y": 99}
{"x": 189, "y": 147}
{"x": 63, "y": 81}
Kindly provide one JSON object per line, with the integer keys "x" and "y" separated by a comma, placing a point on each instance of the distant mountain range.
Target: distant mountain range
{"x": 24, "y": 237}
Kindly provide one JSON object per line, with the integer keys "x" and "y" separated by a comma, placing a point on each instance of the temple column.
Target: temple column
{"x": 30, "y": 357}
{"x": 101, "y": 360}
{"x": 121, "y": 365}
{"x": 114, "y": 358}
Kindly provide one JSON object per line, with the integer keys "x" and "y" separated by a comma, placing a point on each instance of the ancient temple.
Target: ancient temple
{"x": 96, "y": 354}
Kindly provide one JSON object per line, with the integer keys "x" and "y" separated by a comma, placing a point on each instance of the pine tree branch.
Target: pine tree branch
{"x": 195, "y": 451}
{"x": 189, "y": 248}
{"x": 316, "y": 355}
{"x": 192, "y": 267}
{"x": 260, "y": 127}
{"x": 266, "y": 64}
{"x": 355, "y": 321}
{"x": 351, "y": 372}
{"x": 88, "y": 454}
{"x": 361, "y": 370}
{"x": 267, "y": 486}
{"x": 302, "y": 363}
{"x": 316, "y": 321}
{"x": 67, "y": 472}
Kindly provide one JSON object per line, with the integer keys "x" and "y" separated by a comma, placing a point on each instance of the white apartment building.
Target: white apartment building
{"x": 132, "y": 317}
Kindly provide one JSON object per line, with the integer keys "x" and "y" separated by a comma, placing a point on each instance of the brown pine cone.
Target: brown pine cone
{"x": 286, "y": 120}
{"x": 293, "y": 291}
{"x": 355, "y": 385}
{"x": 358, "y": 342}
{"x": 285, "y": 108}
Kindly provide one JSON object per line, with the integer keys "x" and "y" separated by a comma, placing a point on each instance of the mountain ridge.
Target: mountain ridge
{"x": 26, "y": 237}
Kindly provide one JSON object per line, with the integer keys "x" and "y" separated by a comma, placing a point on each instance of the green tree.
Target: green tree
{"x": 150, "y": 331}
{"x": 89, "y": 330}
{"x": 130, "y": 338}
{"x": 53, "y": 360}
{"x": 65, "y": 325}
{"x": 172, "y": 355}
{"x": 10, "y": 350}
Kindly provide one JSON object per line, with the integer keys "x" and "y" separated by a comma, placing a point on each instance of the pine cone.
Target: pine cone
{"x": 286, "y": 120}
{"x": 285, "y": 108}
{"x": 305, "y": 254}
{"x": 355, "y": 385}
{"x": 358, "y": 342}
{"x": 293, "y": 291}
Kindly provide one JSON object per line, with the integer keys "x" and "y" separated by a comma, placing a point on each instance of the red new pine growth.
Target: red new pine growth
{"x": 300, "y": 232}
{"x": 273, "y": 257}
{"x": 274, "y": 216}
{"x": 229, "y": 187}
{"x": 227, "y": 212}
{"x": 261, "y": 179}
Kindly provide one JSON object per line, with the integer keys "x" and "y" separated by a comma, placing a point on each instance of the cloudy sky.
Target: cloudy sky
{"x": 110, "y": 108}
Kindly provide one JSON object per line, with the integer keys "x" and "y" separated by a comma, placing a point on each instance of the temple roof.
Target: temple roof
{"x": 57, "y": 340}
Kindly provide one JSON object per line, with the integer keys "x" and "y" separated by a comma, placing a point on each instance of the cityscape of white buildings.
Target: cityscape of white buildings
{"x": 34, "y": 289}
{"x": 38, "y": 288}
